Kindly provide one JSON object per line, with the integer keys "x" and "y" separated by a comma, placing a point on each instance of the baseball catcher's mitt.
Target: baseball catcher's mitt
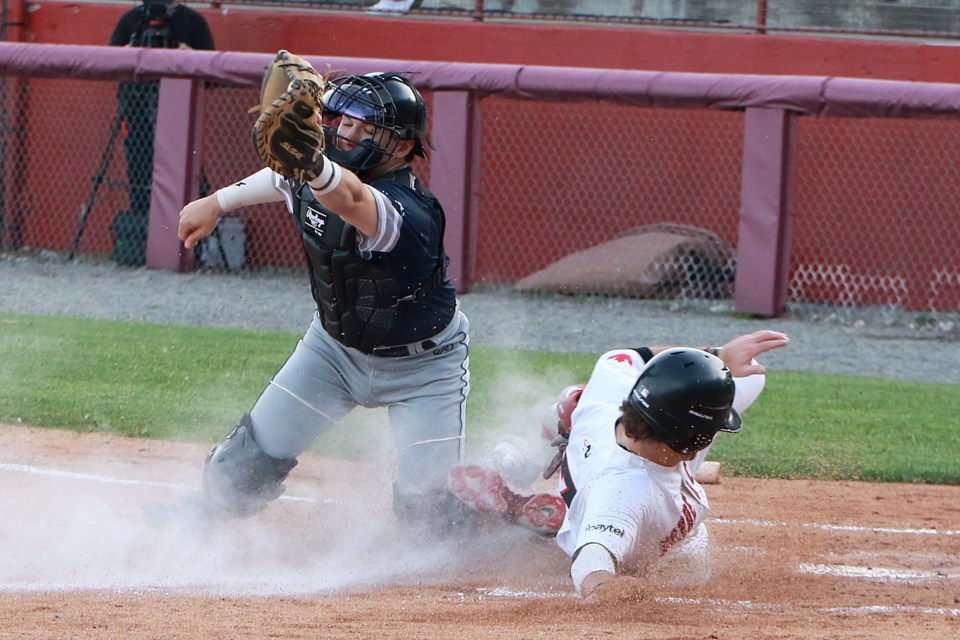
{"x": 288, "y": 135}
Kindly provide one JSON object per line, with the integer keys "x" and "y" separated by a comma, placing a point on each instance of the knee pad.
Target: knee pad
{"x": 239, "y": 478}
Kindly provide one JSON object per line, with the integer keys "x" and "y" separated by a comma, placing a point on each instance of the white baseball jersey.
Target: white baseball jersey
{"x": 635, "y": 508}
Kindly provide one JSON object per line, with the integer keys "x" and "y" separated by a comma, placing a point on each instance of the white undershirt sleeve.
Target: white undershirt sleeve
{"x": 256, "y": 189}
{"x": 388, "y": 225}
{"x": 748, "y": 390}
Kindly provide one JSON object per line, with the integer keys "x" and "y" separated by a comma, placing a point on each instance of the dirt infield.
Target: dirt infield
{"x": 791, "y": 559}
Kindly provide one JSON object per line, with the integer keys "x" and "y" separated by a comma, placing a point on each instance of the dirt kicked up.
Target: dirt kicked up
{"x": 789, "y": 559}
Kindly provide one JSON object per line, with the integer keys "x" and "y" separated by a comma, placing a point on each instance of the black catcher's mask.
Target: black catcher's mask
{"x": 387, "y": 101}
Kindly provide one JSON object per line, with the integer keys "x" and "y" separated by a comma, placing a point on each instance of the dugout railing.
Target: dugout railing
{"x": 830, "y": 190}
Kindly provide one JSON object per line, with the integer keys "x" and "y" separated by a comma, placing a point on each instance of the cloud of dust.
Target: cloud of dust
{"x": 79, "y": 525}
{"x": 520, "y": 401}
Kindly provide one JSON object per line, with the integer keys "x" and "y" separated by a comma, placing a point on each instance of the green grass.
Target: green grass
{"x": 850, "y": 428}
{"x": 192, "y": 383}
{"x": 157, "y": 381}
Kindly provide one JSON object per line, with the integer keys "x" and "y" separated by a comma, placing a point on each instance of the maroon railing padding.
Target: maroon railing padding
{"x": 813, "y": 95}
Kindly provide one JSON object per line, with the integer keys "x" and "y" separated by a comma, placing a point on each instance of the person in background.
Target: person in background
{"x": 158, "y": 24}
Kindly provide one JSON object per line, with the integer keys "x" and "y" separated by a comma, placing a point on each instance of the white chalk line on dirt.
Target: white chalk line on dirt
{"x": 19, "y": 468}
{"x": 863, "y": 609}
{"x": 839, "y": 527}
{"x": 883, "y": 574}
{"x": 73, "y": 475}
{"x": 502, "y": 592}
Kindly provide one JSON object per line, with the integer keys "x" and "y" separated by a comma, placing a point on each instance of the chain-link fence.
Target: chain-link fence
{"x": 561, "y": 178}
{"x": 874, "y": 218}
{"x": 877, "y": 217}
{"x": 83, "y": 187}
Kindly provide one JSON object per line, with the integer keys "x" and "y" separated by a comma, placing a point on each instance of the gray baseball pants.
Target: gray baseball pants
{"x": 425, "y": 395}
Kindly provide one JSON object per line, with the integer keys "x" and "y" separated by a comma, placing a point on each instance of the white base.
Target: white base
{"x": 709, "y": 472}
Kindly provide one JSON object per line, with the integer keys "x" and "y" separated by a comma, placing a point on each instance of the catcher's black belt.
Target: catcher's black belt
{"x": 401, "y": 350}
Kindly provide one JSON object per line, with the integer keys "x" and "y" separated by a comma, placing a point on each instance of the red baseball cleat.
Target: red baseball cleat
{"x": 543, "y": 513}
{"x": 483, "y": 490}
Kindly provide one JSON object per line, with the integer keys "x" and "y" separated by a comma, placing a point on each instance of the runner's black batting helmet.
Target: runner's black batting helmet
{"x": 385, "y": 100}
{"x": 686, "y": 396}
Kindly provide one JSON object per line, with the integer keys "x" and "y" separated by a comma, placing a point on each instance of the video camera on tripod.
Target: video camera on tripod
{"x": 153, "y": 31}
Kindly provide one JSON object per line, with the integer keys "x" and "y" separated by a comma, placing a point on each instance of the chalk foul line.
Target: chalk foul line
{"x": 503, "y": 592}
{"x": 20, "y": 468}
{"x": 838, "y": 527}
{"x": 89, "y": 477}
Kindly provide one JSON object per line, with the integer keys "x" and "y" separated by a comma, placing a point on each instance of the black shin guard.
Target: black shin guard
{"x": 239, "y": 479}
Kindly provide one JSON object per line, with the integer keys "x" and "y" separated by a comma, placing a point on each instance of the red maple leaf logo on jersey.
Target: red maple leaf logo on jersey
{"x": 621, "y": 357}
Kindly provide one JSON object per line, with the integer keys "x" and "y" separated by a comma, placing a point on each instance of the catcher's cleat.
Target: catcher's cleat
{"x": 483, "y": 490}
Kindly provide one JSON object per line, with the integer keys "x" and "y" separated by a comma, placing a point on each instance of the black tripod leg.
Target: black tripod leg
{"x": 204, "y": 191}
{"x": 97, "y": 181}
{"x": 223, "y": 253}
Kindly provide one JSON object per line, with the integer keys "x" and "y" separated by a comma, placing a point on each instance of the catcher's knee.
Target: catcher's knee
{"x": 239, "y": 479}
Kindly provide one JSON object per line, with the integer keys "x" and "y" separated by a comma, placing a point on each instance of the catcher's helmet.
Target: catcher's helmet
{"x": 385, "y": 100}
{"x": 686, "y": 396}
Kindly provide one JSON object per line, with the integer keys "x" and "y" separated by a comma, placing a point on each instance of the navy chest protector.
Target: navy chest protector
{"x": 357, "y": 299}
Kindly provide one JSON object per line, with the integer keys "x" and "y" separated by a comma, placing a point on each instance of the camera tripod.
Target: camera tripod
{"x": 99, "y": 179}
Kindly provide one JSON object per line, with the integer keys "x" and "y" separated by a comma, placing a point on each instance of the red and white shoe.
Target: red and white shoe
{"x": 480, "y": 488}
{"x": 543, "y": 513}
{"x": 483, "y": 490}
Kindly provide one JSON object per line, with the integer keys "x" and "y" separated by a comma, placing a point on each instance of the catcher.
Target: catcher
{"x": 638, "y": 432}
{"x": 387, "y": 332}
